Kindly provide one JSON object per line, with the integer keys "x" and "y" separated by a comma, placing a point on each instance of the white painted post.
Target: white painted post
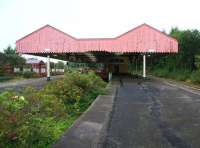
{"x": 144, "y": 66}
{"x": 48, "y": 68}
{"x": 110, "y": 76}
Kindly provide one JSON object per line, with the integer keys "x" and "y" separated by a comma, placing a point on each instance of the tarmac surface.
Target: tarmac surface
{"x": 154, "y": 114}
{"x": 19, "y": 85}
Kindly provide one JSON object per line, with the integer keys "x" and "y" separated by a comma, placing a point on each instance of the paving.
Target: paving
{"x": 154, "y": 114}
{"x": 18, "y": 85}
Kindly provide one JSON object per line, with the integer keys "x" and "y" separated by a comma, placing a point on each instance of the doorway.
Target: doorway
{"x": 116, "y": 69}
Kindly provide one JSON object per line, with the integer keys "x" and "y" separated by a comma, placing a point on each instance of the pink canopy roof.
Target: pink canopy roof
{"x": 142, "y": 39}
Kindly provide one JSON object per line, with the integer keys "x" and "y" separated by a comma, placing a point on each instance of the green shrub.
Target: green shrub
{"x": 77, "y": 90}
{"x": 66, "y": 91}
{"x": 195, "y": 77}
{"x": 181, "y": 75}
{"x": 29, "y": 74}
{"x": 1, "y": 70}
{"x": 11, "y": 108}
{"x": 161, "y": 72}
{"x": 38, "y": 118}
{"x": 29, "y": 119}
{"x": 20, "y": 73}
{"x": 5, "y": 78}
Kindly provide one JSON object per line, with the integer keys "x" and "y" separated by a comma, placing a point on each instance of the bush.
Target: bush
{"x": 76, "y": 90}
{"x": 90, "y": 83}
{"x": 29, "y": 74}
{"x": 1, "y": 70}
{"x": 5, "y": 78}
{"x": 38, "y": 118}
{"x": 181, "y": 75}
{"x": 19, "y": 74}
{"x": 11, "y": 106}
{"x": 195, "y": 77}
{"x": 161, "y": 72}
{"x": 29, "y": 119}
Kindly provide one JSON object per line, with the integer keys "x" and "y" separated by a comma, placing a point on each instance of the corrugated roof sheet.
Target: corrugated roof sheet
{"x": 141, "y": 39}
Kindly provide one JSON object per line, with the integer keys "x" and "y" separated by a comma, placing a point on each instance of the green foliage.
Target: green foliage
{"x": 11, "y": 107}
{"x": 181, "y": 75}
{"x": 189, "y": 46}
{"x": 29, "y": 74}
{"x": 195, "y": 77}
{"x": 38, "y": 118}
{"x": 19, "y": 73}
{"x": 76, "y": 90}
{"x": 161, "y": 72}
{"x": 180, "y": 66}
{"x": 10, "y": 57}
{"x": 5, "y": 78}
{"x": 15, "y": 60}
{"x": 9, "y": 50}
{"x": 1, "y": 71}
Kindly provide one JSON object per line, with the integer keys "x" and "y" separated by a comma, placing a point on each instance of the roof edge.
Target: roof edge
{"x": 144, "y": 24}
{"x": 47, "y": 25}
{"x": 82, "y": 39}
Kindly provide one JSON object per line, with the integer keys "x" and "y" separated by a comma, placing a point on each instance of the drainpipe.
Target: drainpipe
{"x": 144, "y": 65}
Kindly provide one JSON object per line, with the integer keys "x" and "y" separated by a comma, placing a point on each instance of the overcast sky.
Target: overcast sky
{"x": 93, "y": 18}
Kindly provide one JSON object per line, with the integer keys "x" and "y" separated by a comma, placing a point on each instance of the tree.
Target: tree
{"x": 10, "y": 57}
{"x": 9, "y": 50}
{"x": 189, "y": 47}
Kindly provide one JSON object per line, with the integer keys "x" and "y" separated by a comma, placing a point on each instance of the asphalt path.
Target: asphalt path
{"x": 18, "y": 85}
{"x": 154, "y": 114}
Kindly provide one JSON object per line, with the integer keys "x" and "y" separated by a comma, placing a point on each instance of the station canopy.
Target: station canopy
{"x": 54, "y": 42}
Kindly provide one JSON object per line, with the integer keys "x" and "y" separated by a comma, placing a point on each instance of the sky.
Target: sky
{"x": 93, "y": 18}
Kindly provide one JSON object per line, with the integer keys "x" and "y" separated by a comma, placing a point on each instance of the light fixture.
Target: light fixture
{"x": 47, "y": 50}
{"x": 151, "y": 50}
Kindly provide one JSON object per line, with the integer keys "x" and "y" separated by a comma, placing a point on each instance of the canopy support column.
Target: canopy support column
{"x": 109, "y": 76}
{"x": 144, "y": 65}
{"x": 48, "y": 68}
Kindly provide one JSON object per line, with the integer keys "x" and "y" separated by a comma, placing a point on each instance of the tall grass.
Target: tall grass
{"x": 180, "y": 75}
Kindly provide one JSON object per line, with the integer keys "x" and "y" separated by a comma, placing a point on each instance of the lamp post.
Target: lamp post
{"x": 151, "y": 50}
{"x": 144, "y": 65}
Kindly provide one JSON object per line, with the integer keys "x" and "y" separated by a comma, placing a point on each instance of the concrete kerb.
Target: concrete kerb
{"x": 89, "y": 130}
{"x": 103, "y": 134}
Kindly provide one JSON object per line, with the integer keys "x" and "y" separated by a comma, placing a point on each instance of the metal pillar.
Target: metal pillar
{"x": 48, "y": 68}
{"x": 144, "y": 66}
{"x": 136, "y": 65}
{"x": 110, "y": 76}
